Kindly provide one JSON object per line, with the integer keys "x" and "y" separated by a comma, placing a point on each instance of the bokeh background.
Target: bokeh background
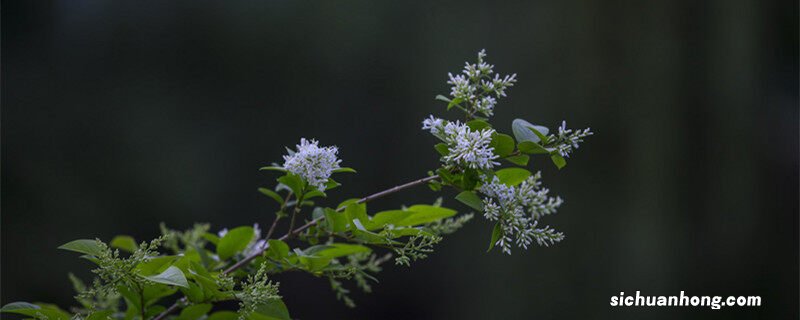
{"x": 119, "y": 115}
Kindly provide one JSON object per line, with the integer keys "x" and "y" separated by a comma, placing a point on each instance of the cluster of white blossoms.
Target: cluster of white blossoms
{"x": 466, "y": 148}
{"x": 518, "y": 209}
{"x": 566, "y": 140}
{"x": 475, "y": 86}
{"x": 312, "y": 163}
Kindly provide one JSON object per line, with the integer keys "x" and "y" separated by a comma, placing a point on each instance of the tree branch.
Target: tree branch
{"x": 248, "y": 259}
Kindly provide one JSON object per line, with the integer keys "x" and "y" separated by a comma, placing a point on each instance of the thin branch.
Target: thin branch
{"x": 309, "y": 224}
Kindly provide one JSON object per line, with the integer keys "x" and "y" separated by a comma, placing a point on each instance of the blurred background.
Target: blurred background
{"x": 119, "y": 115}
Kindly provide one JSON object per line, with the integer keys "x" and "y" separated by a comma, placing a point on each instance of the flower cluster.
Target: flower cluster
{"x": 312, "y": 163}
{"x": 567, "y": 140}
{"x": 518, "y": 209}
{"x": 467, "y": 148}
{"x": 475, "y": 86}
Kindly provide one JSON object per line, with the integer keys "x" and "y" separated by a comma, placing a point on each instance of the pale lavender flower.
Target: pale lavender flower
{"x": 312, "y": 163}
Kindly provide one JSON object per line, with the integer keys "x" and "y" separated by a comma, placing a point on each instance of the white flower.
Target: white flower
{"x": 466, "y": 147}
{"x": 474, "y": 87}
{"x": 518, "y": 209}
{"x": 567, "y": 140}
{"x": 312, "y": 163}
{"x": 434, "y": 125}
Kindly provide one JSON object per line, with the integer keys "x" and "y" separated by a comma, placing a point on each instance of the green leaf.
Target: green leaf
{"x": 123, "y": 242}
{"x": 477, "y": 125}
{"x": 336, "y": 250}
{"x": 274, "y": 309}
{"x": 195, "y": 312}
{"x": 155, "y": 265}
{"x": 512, "y": 176}
{"x": 273, "y": 168}
{"x": 531, "y": 147}
{"x": 421, "y": 214}
{"x": 331, "y": 184}
{"x": 337, "y": 221}
{"x": 496, "y": 233}
{"x": 277, "y": 249}
{"x": 442, "y": 98}
{"x": 234, "y": 242}
{"x": 522, "y": 131}
{"x": 223, "y": 315}
{"x": 172, "y": 276}
{"x": 85, "y": 246}
{"x": 520, "y": 160}
{"x": 272, "y": 194}
{"x": 14, "y": 306}
{"x": 100, "y": 315}
{"x": 442, "y": 149}
{"x": 344, "y": 169}
{"x": 314, "y": 193}
{"x": 503, "y": 144}
{"x": 356, "y": 211}
{"x": 381, "y": 219}
{"x": 32, "y": 310}
{"x": 558, "y": 160}
{"x": 294, "y": 182}
{"x": 470, "y": 199}
{"x": 213, "y": 238}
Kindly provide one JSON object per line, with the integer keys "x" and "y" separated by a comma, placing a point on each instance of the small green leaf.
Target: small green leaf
{"x": 313, "y": 194}
{"x": 85, "y": 246}
{"x": 537, "y": 131}
{"x": 522, "y": 131}
{"x": 470, "y": 199}
{"x": 213, "y": 238}
{"x": 234, "y": 242}
{"x": 496, "y": 233}
{"x": 503, "y": 144}
{"x": 123, "y": 242}
{"x": 155, "y": 265}
{"x": 272, "y": 194}
{"x": 512, "y": 176}
{"x": 381, "y": 219}
{"x": 294, "y": 182}
{"x": 531, "y": 147}
{"x": 477, "y": 125}
{"x": 277, "y": 249}
{"x": 172, "y": 276}
{"x": 100, "y": 315}
{"x": 422, "y": 214}
{"x": 51, "y": 312}
{"x": 14, "y": 306}
{"x": 356, "y": 211}
{"x": 273, "y": 168}
{"x": 442, "y": 98}
{"x": 223, "y": 315}
{"x": 442, "y": 149}
{"x": 337, "y": 221}
{"x": 344, "y": 169}
{"x": 558, "y": 160}
{"x": 194, "y": 312}
{"x": 520, "y": 160}
{"x": 274, "y": 309}
{"x": 331, "y": 184}
{"x": 336, "y": 250}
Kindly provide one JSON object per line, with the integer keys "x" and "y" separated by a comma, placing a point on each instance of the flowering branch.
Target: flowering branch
{"x": 343, "y": 242}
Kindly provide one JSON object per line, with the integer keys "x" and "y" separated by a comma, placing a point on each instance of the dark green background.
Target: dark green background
{"x": 119, "y": 115}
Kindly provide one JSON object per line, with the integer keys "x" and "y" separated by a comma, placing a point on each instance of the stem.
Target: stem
{"x": 294, "y": 214}
{"x": 291, "y": 232}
